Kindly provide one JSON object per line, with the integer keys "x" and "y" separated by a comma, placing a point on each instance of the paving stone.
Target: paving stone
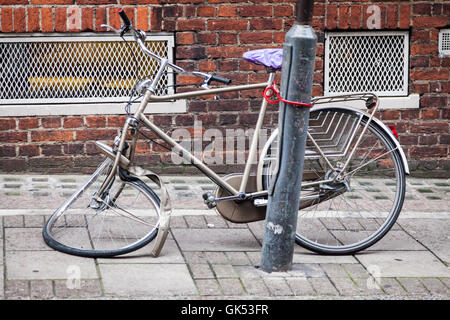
{"x": 413, "y": 286}
{"x": 231, "y": 287}
{"x": 34, "y": 265}
{"x": 254, "y": 257}
{"x": 195, "y": 222}
{"x": 391, "y": 286}
{"x": 17, "y": 289}
{"x": 368, "y": 286}
{"x": 237, "y": 225}
{"x": 255, "y": 287}
{"x": 238, "y": 258}
{"x": 252, "y": 272}
{"x": 24, "y": 239}
{"x": 208, "y": 287}
{"x": 396, "y": 240}
{"x": 308, "y": 270}
{"x": 323, "y": 286}
{"x": 446, "y": 281}
{"x": 224, "y": 271}
{"x": 85, "y": 289}
{"x": 356, "y": 270}
{"x": 216, "y": 240}
{"x": 216, "y": 257}
{"x": 433, "y": 233}
{"x": 334, "y": 270}
{"x": 346, "y": 286}
{"x": 41, "y": 289}
{"x": 13, "y": 221}
{"x": 301, "y": 255}
{"x": 2, "y": 292}
{"x": 278, "y": 286}
{"x": 435, "y": 286}
{"x": 404, "y": 264}
{"x": 216, "y": 222}
{"x": 178, "y": 222}
{"x": 169, "y": 254}
{"x": 195, "y": 257}
{"x": 257, "y": 228}
{"x": 201, "y": 271}
{"x": 34, "y": 221}
{"x": 147, "y": 280}
{"x": 300, "y": 286}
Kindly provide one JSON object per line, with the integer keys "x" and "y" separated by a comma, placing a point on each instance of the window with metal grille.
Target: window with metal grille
{"x": 444, "y": 42}
{"x": 80, "y": 68}
{"x": 375, "y": 62}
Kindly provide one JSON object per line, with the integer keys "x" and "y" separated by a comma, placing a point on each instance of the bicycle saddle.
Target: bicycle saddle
{"x": 271, "y": 58}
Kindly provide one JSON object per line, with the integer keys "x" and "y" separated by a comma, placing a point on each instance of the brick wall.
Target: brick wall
{"x": 211, "y": 36}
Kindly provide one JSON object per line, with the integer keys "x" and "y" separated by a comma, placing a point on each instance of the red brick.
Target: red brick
{"x": 430, "y": 22}
{"x": 7, "y": 124}
{"x": 100, "y": 18}
{"x": 52, "y": 1}
{"x": 142, "y": 18}
{"x": 255, "y": 11}
{"x": 51, "y": 122}
{"x": 51, "y": 135}
{"x": 87, "y": 19}
{"x": 405, "y": 16}
{"x": 429, "y": 127}
{"x": 29, "y": 150}
{"x": 7, "y": 151}
{"x": 20, "y": 21}
{"x": 47, "y": 19}
{"x": 28, "y": 123}
{"x": 60, "y": 19}
{"x": 96, "y": 134}
{"x": 428, "y": 152}
{"x": 12, "y": 165}
{"x": 207, "y": 11}
{"x": 13, "y": 136}
{"x": 7, "y": 19}
{"x": 33, "y": 19}
{"x": 430, "y": 74}
{"x": 96, "y": 122}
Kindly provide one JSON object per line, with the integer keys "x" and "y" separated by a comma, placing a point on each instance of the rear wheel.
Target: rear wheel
{"x": 124, "y": 219}
{"x": 353, "y": 214}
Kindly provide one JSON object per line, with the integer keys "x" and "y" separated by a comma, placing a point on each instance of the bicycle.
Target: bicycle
{"x": 341, "y": 212}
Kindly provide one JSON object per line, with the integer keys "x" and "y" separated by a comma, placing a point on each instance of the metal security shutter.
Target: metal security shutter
{"x": 79, "y": 68}
{"x": 444, "y": 43}
{"x": 375, "y": 62}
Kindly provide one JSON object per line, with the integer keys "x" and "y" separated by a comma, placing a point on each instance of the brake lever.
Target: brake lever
{"x": 121, "y": 32}
{"x": 111, "y": 28}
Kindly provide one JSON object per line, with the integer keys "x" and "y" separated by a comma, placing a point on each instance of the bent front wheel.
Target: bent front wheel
{"x": 124, "y": 218}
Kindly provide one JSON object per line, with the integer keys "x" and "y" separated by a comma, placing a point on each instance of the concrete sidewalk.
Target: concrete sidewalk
{"x": 207, "y": 257}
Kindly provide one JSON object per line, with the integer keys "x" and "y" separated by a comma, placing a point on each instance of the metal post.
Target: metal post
{"x": 299, "y": 52}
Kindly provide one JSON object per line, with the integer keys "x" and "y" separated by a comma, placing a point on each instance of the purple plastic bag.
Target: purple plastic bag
{"x": 267, "y": 57}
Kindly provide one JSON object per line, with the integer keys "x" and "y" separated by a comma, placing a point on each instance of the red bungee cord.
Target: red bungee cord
{"x": 275, "y": 91}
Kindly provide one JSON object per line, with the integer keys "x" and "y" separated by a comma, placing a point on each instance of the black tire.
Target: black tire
{"x": 336, "y": 225}
{"x": 62, "y": 234}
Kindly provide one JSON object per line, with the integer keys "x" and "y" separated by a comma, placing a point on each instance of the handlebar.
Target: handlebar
{"x": 139, "y": 36}
{"x": 125, "y": 19}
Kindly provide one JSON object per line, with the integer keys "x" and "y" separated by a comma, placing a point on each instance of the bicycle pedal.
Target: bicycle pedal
{"x": 209, "y": 200}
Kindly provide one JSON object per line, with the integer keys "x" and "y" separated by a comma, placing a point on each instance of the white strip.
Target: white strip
{"x": 140, "y": 212}
{"x": 206, "y": 212}
{"x": 88, "y": 109}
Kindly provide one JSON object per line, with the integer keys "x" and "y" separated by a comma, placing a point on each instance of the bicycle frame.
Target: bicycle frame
{"x": 150, "y": 96}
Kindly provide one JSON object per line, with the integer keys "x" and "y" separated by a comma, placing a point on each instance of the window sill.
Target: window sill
{"x": 88, "y": 109}
{"x": 410, "y": 102}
